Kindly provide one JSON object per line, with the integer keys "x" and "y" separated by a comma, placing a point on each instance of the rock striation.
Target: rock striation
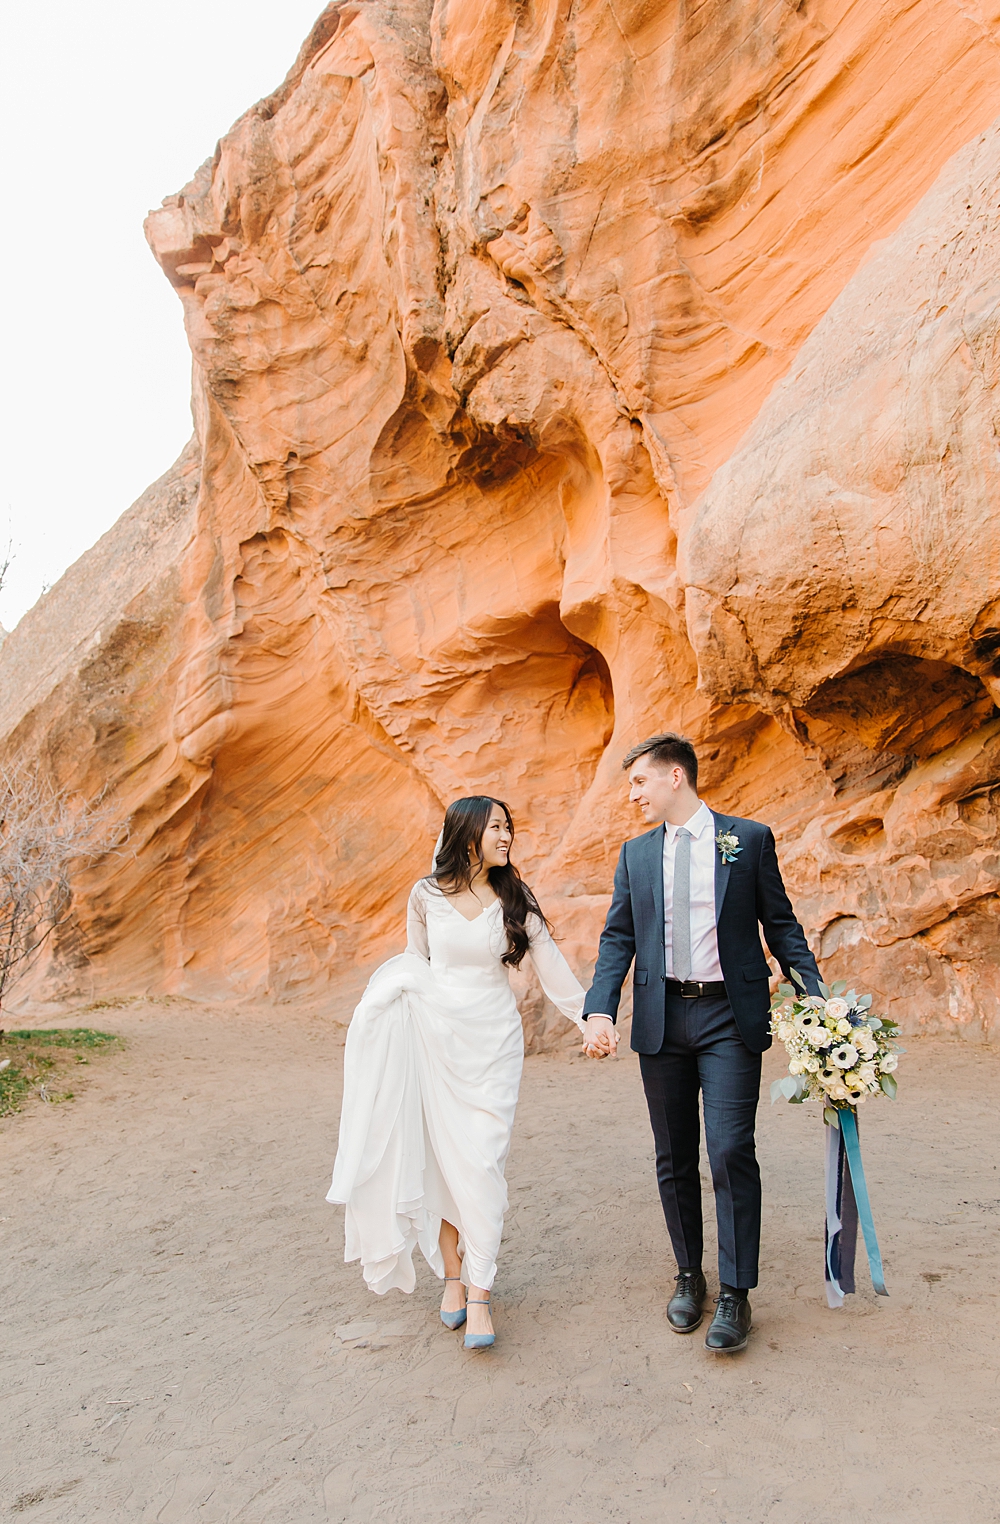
{"x": 559, "y": 375}
{"x": 873, "y": 636}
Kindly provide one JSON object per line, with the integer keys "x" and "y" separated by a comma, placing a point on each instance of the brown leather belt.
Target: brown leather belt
{"x": 693, "y": 989}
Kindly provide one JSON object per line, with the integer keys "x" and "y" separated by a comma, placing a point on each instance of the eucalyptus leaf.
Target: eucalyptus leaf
{"x": 824, "y": 990}
{"x": 830, "y": 1116}
{"x": 839, "y": 986}
{"x": 864, "y": 1002}
{"x": 793, "y": 1087}
{"x": 785, "y": 991}
{"x": 889, "y": 1085}
{"x": 776, "y": 1090}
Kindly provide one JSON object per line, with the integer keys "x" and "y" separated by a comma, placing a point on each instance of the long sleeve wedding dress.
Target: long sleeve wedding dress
{"x": 432, "y": 1069}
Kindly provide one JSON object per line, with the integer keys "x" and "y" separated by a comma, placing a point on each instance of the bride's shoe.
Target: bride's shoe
{"x": 457, "y": 1318}
{"x": 479, "y": 1341}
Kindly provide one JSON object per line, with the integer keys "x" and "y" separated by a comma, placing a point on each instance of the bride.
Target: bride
{"x": 432, "y": 1069}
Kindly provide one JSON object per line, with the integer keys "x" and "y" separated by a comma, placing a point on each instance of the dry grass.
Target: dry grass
{"x": 40, "y": 1065}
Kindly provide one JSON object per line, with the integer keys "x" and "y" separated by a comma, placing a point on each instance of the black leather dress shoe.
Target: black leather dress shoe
{"x": 684, "y": 1310}
{"x": 730, "y": 1328}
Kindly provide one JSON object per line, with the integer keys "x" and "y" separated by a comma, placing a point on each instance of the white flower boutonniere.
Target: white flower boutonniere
{"x": 728, "y": 844}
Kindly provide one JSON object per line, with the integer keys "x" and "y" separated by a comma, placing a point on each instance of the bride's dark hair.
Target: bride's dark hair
{"x": 464, "y": 824}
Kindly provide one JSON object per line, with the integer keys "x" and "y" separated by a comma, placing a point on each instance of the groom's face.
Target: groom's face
{"x": 654, "y": 788}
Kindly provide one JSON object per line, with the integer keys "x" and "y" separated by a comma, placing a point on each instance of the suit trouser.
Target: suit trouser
{"x": 703, "y": 1051}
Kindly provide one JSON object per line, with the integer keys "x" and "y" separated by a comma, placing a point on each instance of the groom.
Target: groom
{"x": 688, "y": 898}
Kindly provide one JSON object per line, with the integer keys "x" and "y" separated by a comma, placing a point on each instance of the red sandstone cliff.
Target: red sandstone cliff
{"x": 560, "y": 375}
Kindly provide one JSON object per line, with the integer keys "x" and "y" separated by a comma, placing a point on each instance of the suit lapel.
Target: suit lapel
{"x": 722, "y": 823}
{"x": 656, "y": 874}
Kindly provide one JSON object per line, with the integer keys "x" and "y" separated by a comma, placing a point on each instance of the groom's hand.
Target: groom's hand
{"x": 601, "y": 1040}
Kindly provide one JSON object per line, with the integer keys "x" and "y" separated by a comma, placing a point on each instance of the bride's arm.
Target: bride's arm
{"x": 554, "y": 974}
{"x": 416, "y": 922}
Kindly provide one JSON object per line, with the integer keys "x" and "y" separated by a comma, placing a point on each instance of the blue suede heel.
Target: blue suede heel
{"x": 479, "y": 1341}
{"x": 454, "y": 1320}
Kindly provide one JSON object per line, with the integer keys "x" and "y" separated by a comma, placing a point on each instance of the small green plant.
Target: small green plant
{"x": 39, "y": 1063}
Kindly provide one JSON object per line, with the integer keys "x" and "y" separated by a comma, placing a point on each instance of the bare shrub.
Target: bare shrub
{"x": 6, "y": 556}
{"x": 46, "y": 833}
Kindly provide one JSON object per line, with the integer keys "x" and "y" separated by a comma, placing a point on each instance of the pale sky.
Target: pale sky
{"x": 110, "y": 107}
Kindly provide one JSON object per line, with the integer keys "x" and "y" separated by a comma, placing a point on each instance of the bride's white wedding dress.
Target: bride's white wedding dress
{"x": 431, "y": 1075}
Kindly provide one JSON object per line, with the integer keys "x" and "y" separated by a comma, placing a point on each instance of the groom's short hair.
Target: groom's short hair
{"x": 667, "y": 750}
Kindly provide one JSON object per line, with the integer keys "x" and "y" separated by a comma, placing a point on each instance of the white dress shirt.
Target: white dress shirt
{"x": 704, "y": 943}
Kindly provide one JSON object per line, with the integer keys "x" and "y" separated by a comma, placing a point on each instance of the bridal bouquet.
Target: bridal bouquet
{"x": 840, "y": 1053}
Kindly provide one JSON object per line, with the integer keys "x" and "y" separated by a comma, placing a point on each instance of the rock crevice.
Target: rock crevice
{"x": 561, "y": 375}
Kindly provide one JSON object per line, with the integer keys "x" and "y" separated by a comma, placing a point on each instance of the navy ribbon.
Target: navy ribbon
{"x": 849, "y": 1133}
{"x": 841, "y": 1221}
{"x": 847, "y": 1204}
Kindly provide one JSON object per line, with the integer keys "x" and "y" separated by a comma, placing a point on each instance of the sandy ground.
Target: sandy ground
{"x": 174, "y": 1284}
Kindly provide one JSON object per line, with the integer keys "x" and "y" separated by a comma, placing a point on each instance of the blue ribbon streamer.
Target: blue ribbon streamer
{"x": 841, "y": 1220}
{"x": 849, "y": 1132}
{"x": 834, "y": 1291}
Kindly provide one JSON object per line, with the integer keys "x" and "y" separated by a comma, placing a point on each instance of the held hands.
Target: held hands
{"x": 601, "y": 1038}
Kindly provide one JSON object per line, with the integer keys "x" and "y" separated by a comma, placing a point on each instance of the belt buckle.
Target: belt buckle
{"x": 691, "y": 989}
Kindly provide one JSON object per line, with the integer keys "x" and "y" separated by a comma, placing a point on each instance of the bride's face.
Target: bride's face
{"x": 496, "y": 841}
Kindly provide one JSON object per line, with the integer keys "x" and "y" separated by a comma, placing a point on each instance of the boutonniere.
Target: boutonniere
{"x": 728, "y": 844}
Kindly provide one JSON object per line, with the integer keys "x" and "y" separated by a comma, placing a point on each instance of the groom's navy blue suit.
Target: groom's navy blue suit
{"x": 709, "y": 1044}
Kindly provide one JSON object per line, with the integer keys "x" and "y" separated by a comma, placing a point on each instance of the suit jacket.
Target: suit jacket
{"x": 749, "y": 894}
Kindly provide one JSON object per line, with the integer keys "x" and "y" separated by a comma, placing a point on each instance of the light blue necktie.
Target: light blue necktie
{"x": 681, "y": 915}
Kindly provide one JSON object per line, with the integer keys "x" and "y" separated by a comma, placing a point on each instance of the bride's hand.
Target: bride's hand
{"x": 601, "y": 1039}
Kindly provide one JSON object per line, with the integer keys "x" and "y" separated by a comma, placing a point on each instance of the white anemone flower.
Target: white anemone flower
{"x": 837, "y": 1008}
{"x": 845, "y": 1057}
{"x": 808, "y": 1021}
